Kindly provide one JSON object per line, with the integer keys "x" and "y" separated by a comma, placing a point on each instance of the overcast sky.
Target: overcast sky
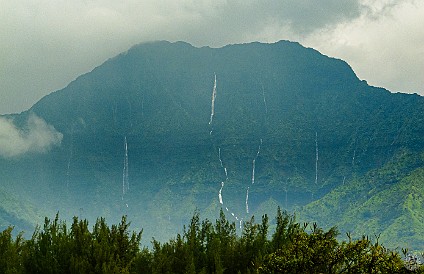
{"x": 45, "y": 44}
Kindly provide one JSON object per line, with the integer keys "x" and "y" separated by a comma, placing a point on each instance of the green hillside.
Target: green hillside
{"x": 386, "y": 202}
{"x": 17, "y": 213}
{"x": 285, "y": 126}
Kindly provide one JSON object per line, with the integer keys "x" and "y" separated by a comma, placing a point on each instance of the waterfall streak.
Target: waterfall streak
{"x": 213, "y": 101}
{"x": 220, "y": 196}
{"x": 219, "y": 156}
{"x": 247, "y": 200}
{"x": 259, "y": 149}
{"x": 316, "y": 157}
{"x": 353, "y": 157}
{"x": 253, "y": 171}
{"x": 125, "y": 181}
{"x": 254, "y": 162}
{"x": 67, "y": 171}
{"x": 220, "y": 193}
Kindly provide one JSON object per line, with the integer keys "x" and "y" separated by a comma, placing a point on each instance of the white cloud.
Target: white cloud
{"x": 384, "y": 45}
{"x": 37, "y": 136}
{"x": 46, "y": 44}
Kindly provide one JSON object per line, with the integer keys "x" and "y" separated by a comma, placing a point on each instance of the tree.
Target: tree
{"x": 203, "y": 248}
{"x": 10, "y": 252}
{"x": 286, "y": 228}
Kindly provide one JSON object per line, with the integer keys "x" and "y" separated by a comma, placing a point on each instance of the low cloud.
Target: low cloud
{"x": 383, "y": 45}
{"x": 36, "y": 137}
{"x": 46, "y": 44}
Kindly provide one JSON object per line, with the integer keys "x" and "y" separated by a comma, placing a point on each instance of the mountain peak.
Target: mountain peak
{"x": 243, "y": 127}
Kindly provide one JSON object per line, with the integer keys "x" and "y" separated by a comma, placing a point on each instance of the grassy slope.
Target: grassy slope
{"x": 387, "y": 202}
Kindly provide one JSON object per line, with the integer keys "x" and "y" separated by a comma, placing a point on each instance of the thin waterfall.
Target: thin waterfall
{"x": 125, "y": 180}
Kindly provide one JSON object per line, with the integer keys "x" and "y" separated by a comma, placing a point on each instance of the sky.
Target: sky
{"x": 45, "y": 44}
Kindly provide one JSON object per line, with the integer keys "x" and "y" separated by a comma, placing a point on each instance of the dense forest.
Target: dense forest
{"x": 203, "y": 247}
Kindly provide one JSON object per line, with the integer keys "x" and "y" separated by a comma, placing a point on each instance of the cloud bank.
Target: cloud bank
{"x": 384, "y": 45}
{"x": 46, "y": 44}
{"x": 37, "y": 137}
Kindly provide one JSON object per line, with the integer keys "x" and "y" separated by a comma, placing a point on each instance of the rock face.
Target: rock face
{"x": 243, "y": 127}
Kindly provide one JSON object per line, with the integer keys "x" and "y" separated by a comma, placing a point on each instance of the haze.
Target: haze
{"x": 46, "y": 44}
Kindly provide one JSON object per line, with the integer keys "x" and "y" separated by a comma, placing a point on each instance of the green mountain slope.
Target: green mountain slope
{"x": 17, "y": 213}
{"x": 386, "y": 202}
{"x": 288, "y": 126}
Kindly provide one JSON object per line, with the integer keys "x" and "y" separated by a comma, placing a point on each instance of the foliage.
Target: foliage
{"x": 158, "y": 96}
{"x": 387, "y": 200}
{"x": 204, "y": 247}
{"x": 57, "y": 249}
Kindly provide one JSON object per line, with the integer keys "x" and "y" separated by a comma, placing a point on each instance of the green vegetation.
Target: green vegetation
{"x": 289, "y": 99}
{"x": 204, "y": 247}
{"x": 388, "y": 202}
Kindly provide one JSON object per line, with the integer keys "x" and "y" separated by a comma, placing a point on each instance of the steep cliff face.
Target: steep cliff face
{"x": 239, "y": 127}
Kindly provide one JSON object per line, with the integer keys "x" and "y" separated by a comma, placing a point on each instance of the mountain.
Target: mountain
{"x": 254, "y": 125}
{"x": 386, "y": 202}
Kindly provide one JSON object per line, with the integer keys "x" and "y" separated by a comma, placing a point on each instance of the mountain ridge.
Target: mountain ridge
{"x": 289, "y": 125}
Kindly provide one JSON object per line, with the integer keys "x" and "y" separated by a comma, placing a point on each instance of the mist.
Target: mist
{"x": 47, "y": 44}
{"x": 36, "y": 137}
